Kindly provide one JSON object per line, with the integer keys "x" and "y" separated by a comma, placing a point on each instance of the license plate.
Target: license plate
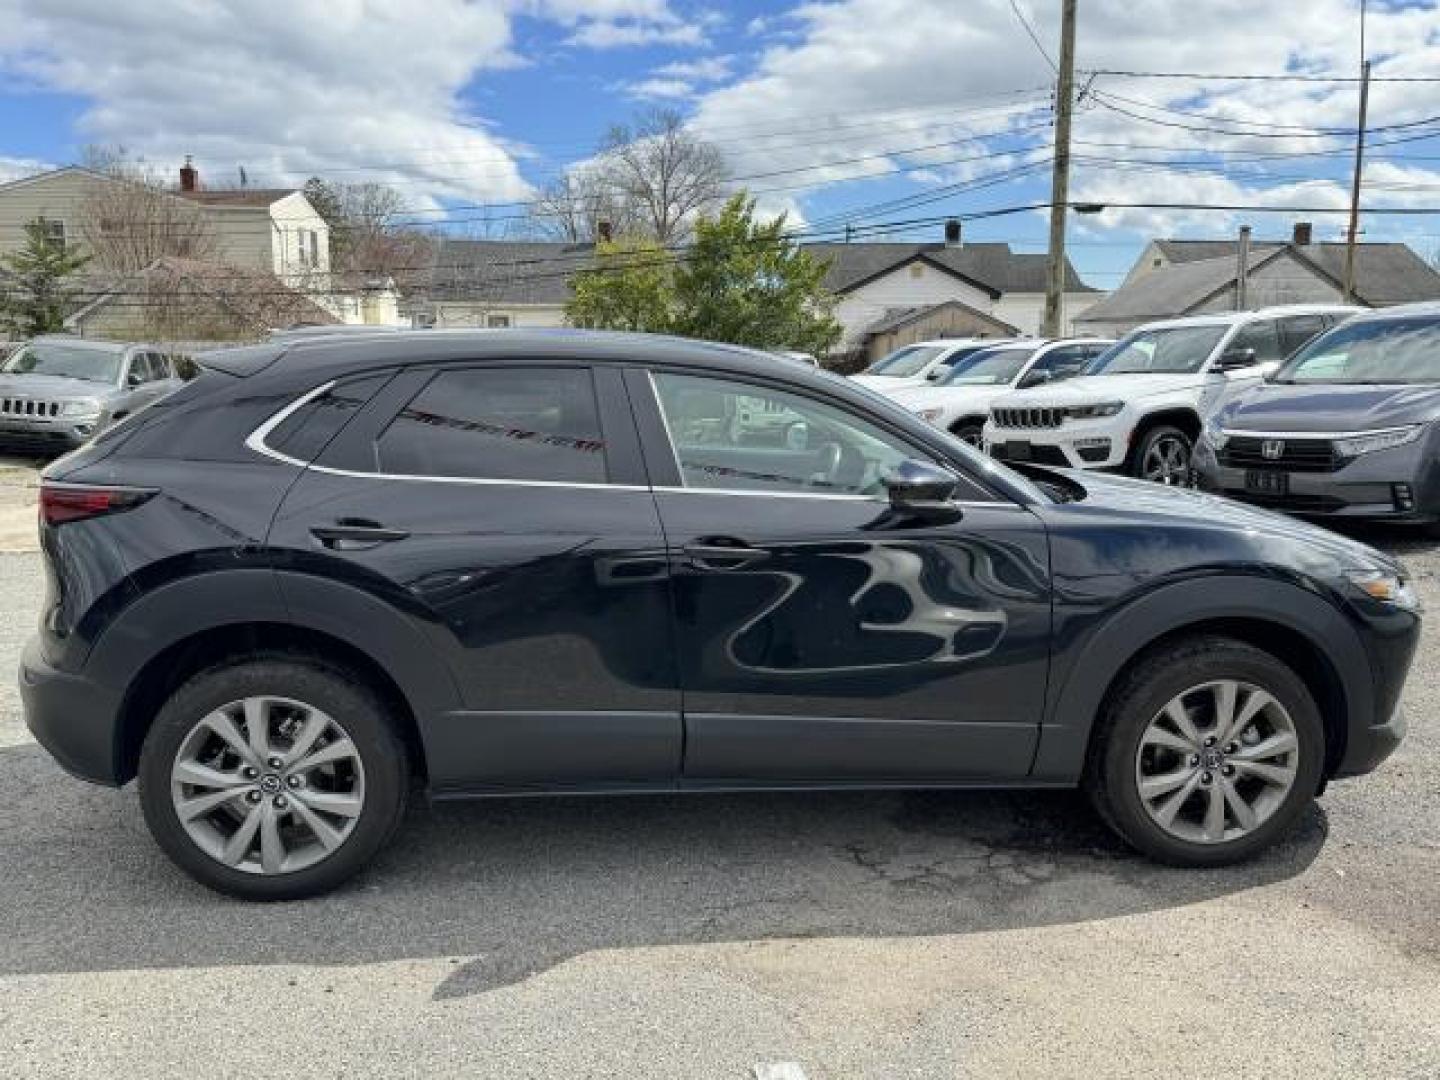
{"x": 1267, "y": 483}
{"x": 1014, "y": 451}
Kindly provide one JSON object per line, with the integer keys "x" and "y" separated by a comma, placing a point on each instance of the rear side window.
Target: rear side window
{"x": 499, "y": 424}
{"x": 309, "y": 429}
{"x": 1298, "y": 329}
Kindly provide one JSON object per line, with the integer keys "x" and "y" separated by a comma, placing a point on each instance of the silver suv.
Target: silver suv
{"x": 56, "y": 392}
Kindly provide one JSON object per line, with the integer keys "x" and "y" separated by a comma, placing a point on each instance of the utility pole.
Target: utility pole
{"x": 1053, "y": 325}
{"x": 1348, "y": 295}
{"x": 1242, "y": 268}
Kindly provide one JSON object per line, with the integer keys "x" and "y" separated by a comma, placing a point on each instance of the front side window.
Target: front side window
{"x": 1260, "y": 336}
{"x": 1065, "y": 361}
{"x": 1175, "y": 350}
{"x": 1298, "y": 329}
{"x": 740, "y": 436}
{"x": 69, "y": 361}
{"x": 1382, "y": 352}
{"x": 499, "y": 424}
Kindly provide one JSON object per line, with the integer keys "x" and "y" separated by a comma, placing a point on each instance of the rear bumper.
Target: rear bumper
{"x": 72, "y": 718}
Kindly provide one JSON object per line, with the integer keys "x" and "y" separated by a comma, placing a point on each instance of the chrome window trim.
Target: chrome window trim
{"x": 256, "y": 439}
{"x": 1246, "y": 434}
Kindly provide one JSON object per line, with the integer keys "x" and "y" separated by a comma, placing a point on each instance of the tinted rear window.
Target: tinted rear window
{"x": 499, "y": 423}
{"x": 309, "y": 429}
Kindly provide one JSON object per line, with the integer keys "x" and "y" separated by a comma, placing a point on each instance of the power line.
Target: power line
{"x": 1030, "y": 33}
{"x": 1290, "y": 76}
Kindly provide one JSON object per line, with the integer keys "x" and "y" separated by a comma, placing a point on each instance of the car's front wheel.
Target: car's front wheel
{"x": 272, "y": 779}
{"x": 1162, "y": 455}
{"x": 1208, "y": 752}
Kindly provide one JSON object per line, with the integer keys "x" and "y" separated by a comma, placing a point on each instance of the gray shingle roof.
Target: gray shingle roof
{"x": 1171, "y": 290}
{"x": 538, "y": 272}
{"x": 1387, "y": 273}
{"x": 895, "y": 318}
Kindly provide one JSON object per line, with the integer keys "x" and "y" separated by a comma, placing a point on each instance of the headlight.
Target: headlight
{"x": 929, "y": 415}
{"x": 1378, "y": 440}
{"x": 1384, "y": 586}
{"x": 1094, "y": 412}
{"x": 81, "y": 407}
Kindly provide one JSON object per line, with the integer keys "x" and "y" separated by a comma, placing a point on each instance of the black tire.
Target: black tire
{"x": 346, "y": 699}
{"x": 1110, "y": 773}
{"x": 968, "y": 431}
{"x": 1135, "y": 466}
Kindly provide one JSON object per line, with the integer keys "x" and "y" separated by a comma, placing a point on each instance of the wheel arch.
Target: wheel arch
{"x": 169, "y": 634}
{"x": 1304, "y": 631}
{"x": 1181, "y": 416}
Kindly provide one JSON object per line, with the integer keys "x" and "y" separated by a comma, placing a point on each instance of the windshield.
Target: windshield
{"x": 989, "y": 367}
{"x": 1178, "y": 350}
{"x": 70, "y": 361}
{"x": 901, "y": 363}
{"x": 1388, "y": 351}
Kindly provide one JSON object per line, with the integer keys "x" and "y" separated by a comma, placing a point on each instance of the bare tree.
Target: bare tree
{"x": 572, "y": 207}
{"x": 130, "y": 219}
{"x": 369, "y": 235}
{"x": 665, "y": 173}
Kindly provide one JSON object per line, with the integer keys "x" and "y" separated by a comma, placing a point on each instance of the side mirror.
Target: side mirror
{"x": 921, "y": 490}
{"x": 1034, "y": 377}
{"x": 1232, "y": 359}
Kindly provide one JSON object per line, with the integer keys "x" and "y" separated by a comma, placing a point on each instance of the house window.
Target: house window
{"x": 498, "y": 322}
{"x": 55, "y": 232}
{"x": 314, "y": 248}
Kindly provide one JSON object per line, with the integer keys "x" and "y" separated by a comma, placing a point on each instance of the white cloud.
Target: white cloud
{"x": 874, "y": 76}
{"x": 660, "y": 89}
{"x": 13, "y": 168}
{"x": 705, "y": 69}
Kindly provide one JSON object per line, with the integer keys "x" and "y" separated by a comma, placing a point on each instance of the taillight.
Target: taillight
{"x": 60, "y": 503}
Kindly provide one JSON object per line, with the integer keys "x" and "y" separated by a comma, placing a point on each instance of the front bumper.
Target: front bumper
{"x": 1083, "y": 444}
{"x": 59, "y": 433}
{"x": 72, "y": 717}
{"x": 1368, "y": 747}
{"x": 1400, "y": 485}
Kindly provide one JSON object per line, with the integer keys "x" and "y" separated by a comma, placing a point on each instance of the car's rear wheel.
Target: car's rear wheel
{"x": 1162, "y": 454}
{"x": 272, "y": 779}
{"x": 1208, "y": 752}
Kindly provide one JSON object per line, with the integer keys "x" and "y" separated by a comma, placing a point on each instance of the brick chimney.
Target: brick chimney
{"x": 189, "y": 176}
{"x": 604, "y": 232}
{"x": 1301, "y": 236}
{"x": 952, "y": 233}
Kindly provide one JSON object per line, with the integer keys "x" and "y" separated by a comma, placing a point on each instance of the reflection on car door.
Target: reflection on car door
{"x": 505, "y": 508}
{"x": 817, "y": 640}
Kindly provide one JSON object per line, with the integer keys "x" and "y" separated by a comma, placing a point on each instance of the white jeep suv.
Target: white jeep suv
{"x": 920, "y": 362}
{"x": 1140, "y": 405}
{"x": 960, "y": 401}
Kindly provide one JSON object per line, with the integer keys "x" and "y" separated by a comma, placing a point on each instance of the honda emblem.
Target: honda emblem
{"x": 1271, "y": 449}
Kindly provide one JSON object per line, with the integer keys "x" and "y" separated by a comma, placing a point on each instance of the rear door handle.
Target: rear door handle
{"x": 722, "y": 556}
{"x": 356, "y": 535}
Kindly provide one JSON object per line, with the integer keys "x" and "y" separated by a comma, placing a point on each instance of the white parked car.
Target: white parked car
{"x": 1140, "y": 406}
{"x": 922, "y": 362}
{"x": 960, "y": 401}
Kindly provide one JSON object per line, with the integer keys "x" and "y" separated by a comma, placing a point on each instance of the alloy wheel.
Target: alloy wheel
{"x": 1167, "y": 461}
{"x": 1217, "y": 761}
{"x": 268, "y": 785}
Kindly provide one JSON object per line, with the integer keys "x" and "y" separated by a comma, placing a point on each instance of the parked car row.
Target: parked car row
{"x": 1319, "y": 410}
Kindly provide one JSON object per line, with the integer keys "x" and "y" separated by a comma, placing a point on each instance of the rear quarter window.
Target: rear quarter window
{"x": 308, "y": 430}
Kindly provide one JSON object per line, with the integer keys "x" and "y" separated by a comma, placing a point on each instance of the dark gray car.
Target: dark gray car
{"x": 1346, "y": 428}
{"x": 58, "y": 391}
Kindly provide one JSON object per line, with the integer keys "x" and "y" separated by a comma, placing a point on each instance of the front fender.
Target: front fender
{"x": 1081, "y": 677}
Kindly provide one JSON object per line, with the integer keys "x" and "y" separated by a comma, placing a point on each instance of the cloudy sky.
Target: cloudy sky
{"x": 859, "y": 111}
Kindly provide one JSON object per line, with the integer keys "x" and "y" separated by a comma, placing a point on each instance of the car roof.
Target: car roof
{"x": 1232, "y": 318}
{"x": 79, "y": 342}
{"x": 1424, "y": 309}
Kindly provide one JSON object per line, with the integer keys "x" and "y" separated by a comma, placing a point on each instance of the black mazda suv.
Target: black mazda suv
{"x": 520, "y": 562}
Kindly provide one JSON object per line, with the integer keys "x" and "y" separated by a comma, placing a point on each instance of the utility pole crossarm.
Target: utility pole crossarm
{"x": 1053, "y": 324}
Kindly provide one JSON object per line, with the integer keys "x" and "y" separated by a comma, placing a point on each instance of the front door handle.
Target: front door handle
{"x": 721, "y": 554}
{"x": 355, "y": 535}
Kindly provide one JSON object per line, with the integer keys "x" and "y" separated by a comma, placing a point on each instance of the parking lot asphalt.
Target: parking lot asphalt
{"x": 867, "y": 935}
